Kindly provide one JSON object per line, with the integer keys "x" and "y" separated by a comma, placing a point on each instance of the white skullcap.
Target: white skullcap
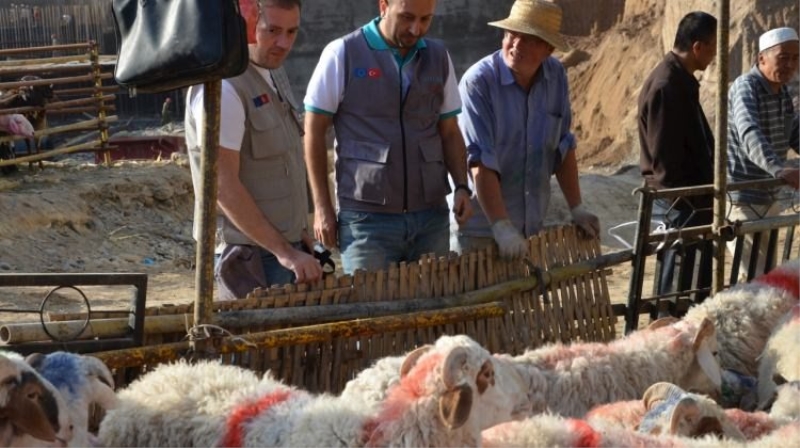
{"x": 776, "y": 37}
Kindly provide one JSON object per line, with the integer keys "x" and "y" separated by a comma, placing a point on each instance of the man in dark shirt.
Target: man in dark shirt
{"x": 677, "y": 144}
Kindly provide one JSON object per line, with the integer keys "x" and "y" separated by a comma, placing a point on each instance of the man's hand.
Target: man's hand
{"x": 586, "y": 221}
{"x": 462, "y": 206}
{"x": 510, "y": 240}
{"x": 325, "y": 228}
{"x": 306, "y": 268}
{"x": 791, "y": 176}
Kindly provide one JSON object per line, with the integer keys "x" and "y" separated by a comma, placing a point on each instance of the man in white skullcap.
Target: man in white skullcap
{"x": 762, "y": 126}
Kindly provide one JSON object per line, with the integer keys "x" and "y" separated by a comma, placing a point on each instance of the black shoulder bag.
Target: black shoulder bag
{"x": 170, "y": 44}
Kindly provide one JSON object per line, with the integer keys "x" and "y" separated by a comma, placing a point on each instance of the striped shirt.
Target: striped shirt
{"x": 762, "y": 126}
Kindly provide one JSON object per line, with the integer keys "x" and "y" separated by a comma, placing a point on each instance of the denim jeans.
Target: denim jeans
{"x": 372, "y": 241}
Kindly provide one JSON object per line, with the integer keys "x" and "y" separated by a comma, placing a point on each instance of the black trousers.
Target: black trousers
{"x": 693, "y": 260}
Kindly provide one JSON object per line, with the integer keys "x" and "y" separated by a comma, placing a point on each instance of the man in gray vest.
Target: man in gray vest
{"x": 262, "y": 214}
{"x": 392, "y": 99}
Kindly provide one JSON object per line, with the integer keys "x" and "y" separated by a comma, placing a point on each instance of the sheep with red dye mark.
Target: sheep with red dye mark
{"x": 734, "y": 423}
{"x": 371, "y": 385}
{"x": 435, "y": 403}
{"x": 549, "y": 430}
{"x": 583, "y": 375}
{"x": 780, "y": 361}
{"x": 745, "y": 315}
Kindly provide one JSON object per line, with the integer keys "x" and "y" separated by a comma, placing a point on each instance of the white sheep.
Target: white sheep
{"x": 745, "y": 315}
{"x": 582, "y": 375}
{"x": 370, "y": 386}
{"x": 25, "y": 407}
{"x": 83, "y": 381}
{"x": 50, "y": 401}
{"x": 780, "y": 361}
{"x": 208, "y": 404}
{"x": 548, "y": 430}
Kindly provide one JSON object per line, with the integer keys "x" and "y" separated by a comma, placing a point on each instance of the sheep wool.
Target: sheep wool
{"x": 583, "y": 375}
{"x": 745, "y": 315}
{"x": 780, "y": 359}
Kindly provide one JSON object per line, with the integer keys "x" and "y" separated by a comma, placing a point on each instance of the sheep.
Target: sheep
{"x": 370, "y": 386}
{"x": 581, "y": 376}
{"x": 83, "y": 381}
{"x": 548, "y": 430}
{"x": 734, "y": 423}
{"x": 14, "y": 124}
{"x": 780, "y": 361}
{"x": 50, "y": 401}
{"x": 435, "y": 403}
{"x": 25, "y": 406}
{"x": 745, "y": 315}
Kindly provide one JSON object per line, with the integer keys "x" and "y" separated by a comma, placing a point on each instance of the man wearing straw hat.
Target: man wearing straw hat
{"x": 762, "y": 126}
{"x": 516, "y": 124}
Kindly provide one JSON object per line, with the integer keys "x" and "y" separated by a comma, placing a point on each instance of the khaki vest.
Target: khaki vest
{"x": 271, "y": 165}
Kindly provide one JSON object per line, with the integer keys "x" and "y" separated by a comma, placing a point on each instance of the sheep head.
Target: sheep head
{"x": 25, "y": 403}
{"x": 670, "y": 410}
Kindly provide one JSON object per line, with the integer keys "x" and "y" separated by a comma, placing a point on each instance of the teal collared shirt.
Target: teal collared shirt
{"x": 376, "y": 41}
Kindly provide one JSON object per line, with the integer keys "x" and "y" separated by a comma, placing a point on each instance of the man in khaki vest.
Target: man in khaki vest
{"x": 262, "y": 201}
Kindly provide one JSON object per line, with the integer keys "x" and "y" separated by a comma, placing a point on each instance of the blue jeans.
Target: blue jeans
{"x": 372, "y": 241}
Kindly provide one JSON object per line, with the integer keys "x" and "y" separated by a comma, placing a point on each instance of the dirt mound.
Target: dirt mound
{"x": 605, "y": 87}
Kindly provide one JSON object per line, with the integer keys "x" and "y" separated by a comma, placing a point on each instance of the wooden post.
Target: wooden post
{"x": 721, "y": 149}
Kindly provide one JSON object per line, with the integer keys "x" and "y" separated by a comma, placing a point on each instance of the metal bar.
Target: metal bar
{"x": 696, "y": 190}
{"x": 640, "y": 258}
{"x": 736, "y": 264}
{"x": 204, "y": 279}
{"x": 152, "y": 355}
{"x": 44, "y": 82}
{"x": 81, "y": 90}
{"x": 753, "y": 261}
{"x": 772, "y": 248}
{"x": 721, "y": 148}
{"x": 89, "y": 279}
{"x": 73, "y": 346}
{"x": 740, "y": 228}
{"x": 787, "y": 244}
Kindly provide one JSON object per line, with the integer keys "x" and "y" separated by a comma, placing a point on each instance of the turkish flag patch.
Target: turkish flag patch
{"x": 261, "y": 100}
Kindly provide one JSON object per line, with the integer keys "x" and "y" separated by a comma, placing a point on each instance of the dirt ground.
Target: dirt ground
{"x": 78, "y": 217}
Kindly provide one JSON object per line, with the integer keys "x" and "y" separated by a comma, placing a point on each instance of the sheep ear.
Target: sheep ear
{"x": 663, "y": 322}
{"x": 100, "y": 370}
{"x": 685, "y": 417}
{"x": 455, "y": 406}
{"x": 453, "y": 369}
{"x": 35, "y": 360}
{"x": 412, "y": 358}
{"x": 659, "y": 392}
{"x": 706, "y": 331}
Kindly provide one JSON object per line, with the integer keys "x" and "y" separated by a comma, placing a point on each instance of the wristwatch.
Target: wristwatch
{"x": 464, "y": 187}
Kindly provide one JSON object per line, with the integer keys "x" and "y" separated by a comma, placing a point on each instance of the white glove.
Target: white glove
{"x": 16, "y": 124}
{"x": 586, "y": 221}
{"x": 510, "y": 240}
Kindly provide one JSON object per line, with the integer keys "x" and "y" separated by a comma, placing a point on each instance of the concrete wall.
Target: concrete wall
{"x": 461, "y": 24}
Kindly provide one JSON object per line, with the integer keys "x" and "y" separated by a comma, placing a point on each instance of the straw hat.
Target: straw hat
{"x": 540, "y": 18}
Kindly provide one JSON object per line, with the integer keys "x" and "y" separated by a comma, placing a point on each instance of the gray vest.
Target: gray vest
{"x": 389, "y": 156}
{"x": 271, "y": 157}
